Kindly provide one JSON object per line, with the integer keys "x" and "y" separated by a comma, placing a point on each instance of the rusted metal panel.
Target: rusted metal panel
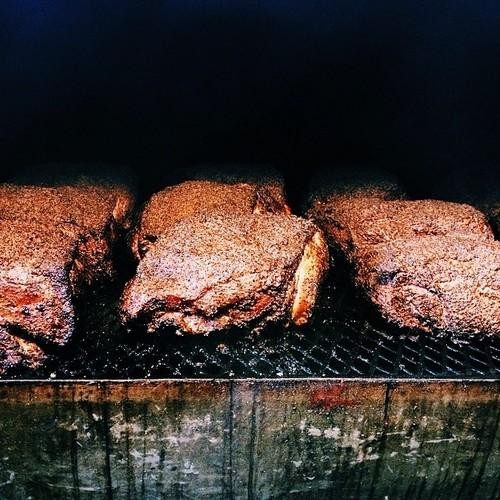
{"x": 308, "y": 432}
{"x": 448, "y": 439}
{"x": 250, "y": 439}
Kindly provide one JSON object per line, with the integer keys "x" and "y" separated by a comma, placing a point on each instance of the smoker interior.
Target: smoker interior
{"x": 294, "y": 84}
{"x": 346, "y": 338}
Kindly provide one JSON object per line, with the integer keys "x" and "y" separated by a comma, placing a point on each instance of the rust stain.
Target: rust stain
{"x": 204, "y": 391}
{"x": 320, "y": 394}
{"x": 456, "y": 391}
{"x": 331, "y": 397}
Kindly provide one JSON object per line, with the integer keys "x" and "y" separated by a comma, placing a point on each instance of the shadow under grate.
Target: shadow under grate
{"x": 344, "y": 340}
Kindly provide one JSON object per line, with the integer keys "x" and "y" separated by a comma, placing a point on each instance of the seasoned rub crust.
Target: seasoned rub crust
{"x": 36, "y": 264}
{"x": 189, "y": 198}
{"x": 83, "y": 207}
{"x": 55, "y": 241}
{"x": 211, "y": 272}
{"x": 92, "y": 215}
{"x": 435, "y": 283}
{"x": 354, "y": 223}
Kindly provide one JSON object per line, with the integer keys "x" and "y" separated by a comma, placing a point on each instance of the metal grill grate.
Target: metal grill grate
{"x": 345, "y": 340}
{"x": 336, "y": 352}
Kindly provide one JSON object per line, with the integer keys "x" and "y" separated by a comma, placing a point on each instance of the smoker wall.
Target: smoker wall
{"x": 317, "y": 439}
{"x": 413, "y": 85}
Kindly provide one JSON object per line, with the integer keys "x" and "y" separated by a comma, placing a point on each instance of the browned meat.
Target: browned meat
{"x": 87, "y": 207}
{"x": 54, "y": 243}
{"x": 373, "y": 233}
{"x": 353, "y": 223}
{"x": 197, "y": 197}
{"x": 333, "y": 193}
{"x": 16, "y": 352}
{"x": 489, "y": 204}
{"x": 91, "y": 214}
{"x": 38, "y": 275}
{"x": 73, "y": 174}
{"x": 434, "y": 283}
{"x": 209, "y": 273}
{"x": 238, "y": 173}
{"x": 479, "y": 187}
{"x": 492, "y": 210}
{"x": 327, "y": 186}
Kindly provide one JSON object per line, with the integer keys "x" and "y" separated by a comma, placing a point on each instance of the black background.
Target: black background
{"x": 413, "y": 86}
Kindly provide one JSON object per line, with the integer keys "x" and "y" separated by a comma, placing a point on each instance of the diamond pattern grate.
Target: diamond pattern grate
{"x": 345, "y": 340}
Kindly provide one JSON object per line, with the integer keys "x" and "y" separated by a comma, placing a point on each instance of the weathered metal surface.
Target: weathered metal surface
{"x": 250, "y": 439}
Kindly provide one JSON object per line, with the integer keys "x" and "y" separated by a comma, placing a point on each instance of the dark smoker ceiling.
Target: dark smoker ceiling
{"x": 411, "y": 85}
